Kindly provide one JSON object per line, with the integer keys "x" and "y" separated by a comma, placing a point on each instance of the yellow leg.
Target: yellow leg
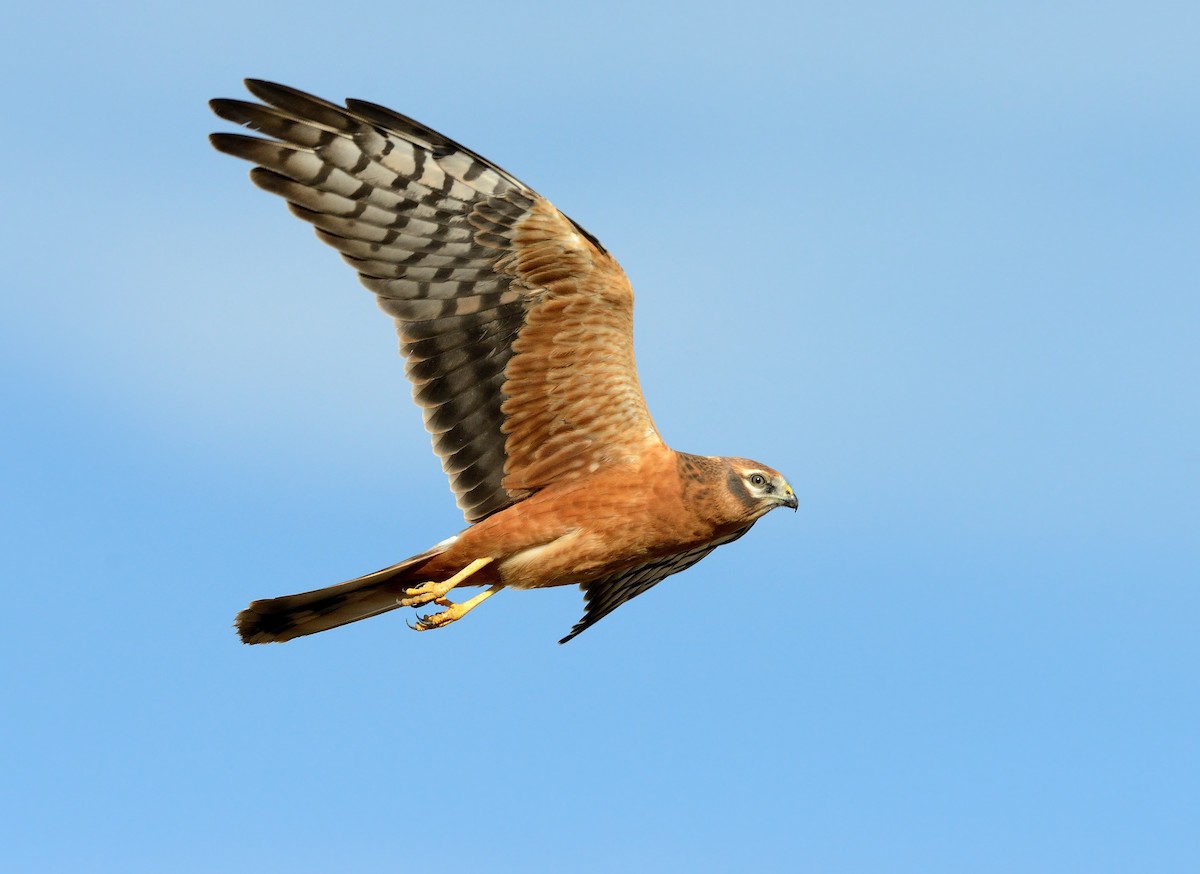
{"x": 435, "y": 591}
{"x": 453, "y": 612}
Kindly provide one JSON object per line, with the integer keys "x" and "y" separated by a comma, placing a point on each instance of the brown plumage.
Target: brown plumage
{"x": 517, "y": 329}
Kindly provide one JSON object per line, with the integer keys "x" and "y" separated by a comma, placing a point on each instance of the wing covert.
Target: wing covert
{"x": 515, "y": 324}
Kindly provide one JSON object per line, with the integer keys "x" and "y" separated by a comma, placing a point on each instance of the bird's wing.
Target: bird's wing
{"x": 516, "y": 324}
{"x": 605, "y": 595}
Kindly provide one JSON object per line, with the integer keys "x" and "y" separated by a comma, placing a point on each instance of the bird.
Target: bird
{"x": 516, "y": 327}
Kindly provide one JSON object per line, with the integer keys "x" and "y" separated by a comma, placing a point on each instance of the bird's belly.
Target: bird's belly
{"x": 581, "y": 531}
{"x": 589, "y": 550}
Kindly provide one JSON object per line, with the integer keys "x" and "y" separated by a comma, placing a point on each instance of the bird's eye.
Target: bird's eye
{"x": 757, "y": 479}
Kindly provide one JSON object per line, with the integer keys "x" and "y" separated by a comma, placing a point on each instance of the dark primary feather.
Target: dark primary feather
{"x": 424, "y": 221}
{"x": 605, "y": 595}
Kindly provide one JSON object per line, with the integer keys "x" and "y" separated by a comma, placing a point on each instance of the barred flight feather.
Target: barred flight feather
{"x": 461, "y": 254}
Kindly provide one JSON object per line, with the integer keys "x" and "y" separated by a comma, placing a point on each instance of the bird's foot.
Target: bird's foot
{"x": 453, "y": 612}
{"x": 435, "y": 592}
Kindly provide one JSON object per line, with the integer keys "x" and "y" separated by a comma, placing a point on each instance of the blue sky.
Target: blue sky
{"x": 937, "y": 262}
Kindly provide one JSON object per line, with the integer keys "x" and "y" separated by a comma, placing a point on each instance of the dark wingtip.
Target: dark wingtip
{"x": 579, "y": 627}
{"x": 230, "y": 144}
{"x": 264, "y": 88}
{"x": 237, "y": 111}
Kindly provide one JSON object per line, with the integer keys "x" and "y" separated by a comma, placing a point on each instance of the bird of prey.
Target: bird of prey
{"x": 516, "y": 326}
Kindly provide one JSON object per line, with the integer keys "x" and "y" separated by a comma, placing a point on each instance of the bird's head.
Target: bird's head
{"x": 759, "y": 488}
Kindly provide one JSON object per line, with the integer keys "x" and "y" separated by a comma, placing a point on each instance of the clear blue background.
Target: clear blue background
{"x": 938, "y": 262}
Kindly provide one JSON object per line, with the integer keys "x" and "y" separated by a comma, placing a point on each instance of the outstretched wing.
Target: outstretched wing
{"x": 515, "y": 323}
{"x": 607, "y": 594}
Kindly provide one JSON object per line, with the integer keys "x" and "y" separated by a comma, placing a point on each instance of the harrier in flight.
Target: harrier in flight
{"x": 516, "y": 326}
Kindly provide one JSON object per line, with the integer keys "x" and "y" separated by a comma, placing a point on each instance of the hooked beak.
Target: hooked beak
{"x": 790, "y": 500}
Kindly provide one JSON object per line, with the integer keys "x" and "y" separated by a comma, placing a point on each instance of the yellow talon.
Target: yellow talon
{"x": 435, "y": 591}
{"x": 453, "y": 612}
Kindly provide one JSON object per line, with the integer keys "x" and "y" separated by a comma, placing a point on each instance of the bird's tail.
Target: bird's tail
{"x": 274, "y": 620}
